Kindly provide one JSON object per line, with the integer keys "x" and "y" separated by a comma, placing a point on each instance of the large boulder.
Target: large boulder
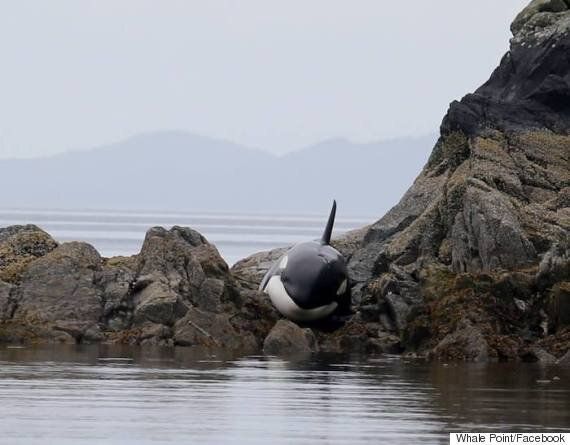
{"x": 466, "y": 343}
{"x": 287, "y": 338}
{"x": 359, "y": 336}
{"x": 534, "y": 8}
{"x": 183, "y": 283}
{"x": 19, "y": 246}
{"x": 213, "y": 330}
{"x": 59, "y": 293}
{"x": 251, "y": 270}
{"x": 176, "y": 269}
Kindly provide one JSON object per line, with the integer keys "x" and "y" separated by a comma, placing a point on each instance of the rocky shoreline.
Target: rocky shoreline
{"x": 472, "y": 264}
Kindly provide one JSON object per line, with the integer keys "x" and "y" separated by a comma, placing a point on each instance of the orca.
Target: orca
{"x": 310, "y": 281}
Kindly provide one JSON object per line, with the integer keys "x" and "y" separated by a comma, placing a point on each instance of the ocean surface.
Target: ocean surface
{"x": 236, "y": 236}
{"x": 94, "y": 395}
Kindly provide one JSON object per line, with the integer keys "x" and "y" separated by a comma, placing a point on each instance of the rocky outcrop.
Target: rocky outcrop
{"x": 472, "y": 264}
{"x": 178, "y": 290}
{"x": 474, "y": 258}
{"x": 20, "y": 245}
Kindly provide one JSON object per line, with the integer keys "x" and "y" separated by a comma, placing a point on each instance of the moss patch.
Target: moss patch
{"x": 485, "y": 301}
{"x": 450, "y": 151}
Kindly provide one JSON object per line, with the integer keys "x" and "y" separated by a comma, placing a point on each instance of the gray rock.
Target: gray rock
{"x": 116, "y": 280}
{"x": 370, "y": 312}
{"x": 399, "y": 310}
{"x": 559, "y": 305}
{"x": 251, "y": 270}
{"x": 466, "y": 343}
{"x": 541, "y": 356}
{"x": 155, "y": 334}
{"x": 493, "y": 197}
{"x": 207, "y": 329}
{"x": 178, "y": 269}
{"x": 175, "y": 290}
{"x": 5, "y": 302}
{"x": 93, "y": 334}
{"x": 412, "y": 205}
{"x": 386, "y": 343}
{"x": 487, "y": 235}
{"x": 19, "y": 246}
{"x": 59, "y": 290}
{"x": 535, "y": 7}
{"x": 398, "y": 293}
{"x": 565, "y": 359}
{"x": 387, "y": 323}
{"x": 183, "y": 282}
{"x": 287, "y": 338}
{"x": 158, "y": 303}
{"x": 555, "y": 265}
{"x": 350, "y": 242}
{"x": 256, "y": 316}
{"x": 211, "y": 294}
{"x": 358, "y": 336}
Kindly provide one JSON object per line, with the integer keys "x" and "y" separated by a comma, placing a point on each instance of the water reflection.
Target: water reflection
{"x": 504, "y": 396}
{"x": 127, "y": 395}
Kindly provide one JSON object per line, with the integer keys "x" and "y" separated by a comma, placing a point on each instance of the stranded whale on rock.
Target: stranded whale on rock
{"x": 309, "y": 282}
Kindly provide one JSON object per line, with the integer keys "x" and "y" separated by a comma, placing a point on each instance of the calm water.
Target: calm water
{"x": 236, "y": 236}
{"x": 100, "y": 395}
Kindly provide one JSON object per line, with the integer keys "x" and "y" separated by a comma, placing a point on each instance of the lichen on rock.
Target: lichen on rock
{"x": 19, "y": 246}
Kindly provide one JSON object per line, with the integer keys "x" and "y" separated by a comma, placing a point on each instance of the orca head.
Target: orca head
{"x": 314, "y": 274}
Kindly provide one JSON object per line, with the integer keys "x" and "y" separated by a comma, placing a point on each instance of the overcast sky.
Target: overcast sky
{"x": 276, "y": 75}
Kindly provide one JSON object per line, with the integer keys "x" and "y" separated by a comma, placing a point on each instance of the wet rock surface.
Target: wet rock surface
{"x": 287, "y": 338}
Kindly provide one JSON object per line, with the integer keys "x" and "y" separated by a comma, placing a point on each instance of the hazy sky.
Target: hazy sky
{"x": 272, "y": 74}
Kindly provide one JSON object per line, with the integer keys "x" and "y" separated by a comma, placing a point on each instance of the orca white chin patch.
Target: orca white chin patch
{"x": 287, "y": 307}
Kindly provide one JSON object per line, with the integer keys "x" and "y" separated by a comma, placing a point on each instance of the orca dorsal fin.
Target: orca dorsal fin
{"x": 326, "y": 239}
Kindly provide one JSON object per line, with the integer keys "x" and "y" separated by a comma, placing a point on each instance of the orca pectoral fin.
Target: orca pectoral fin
{"x": 265, "y": 280}
{"x": 272, "y": 271}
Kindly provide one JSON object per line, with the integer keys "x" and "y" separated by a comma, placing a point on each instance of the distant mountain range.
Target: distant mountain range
{"x": 182, "y": 171}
